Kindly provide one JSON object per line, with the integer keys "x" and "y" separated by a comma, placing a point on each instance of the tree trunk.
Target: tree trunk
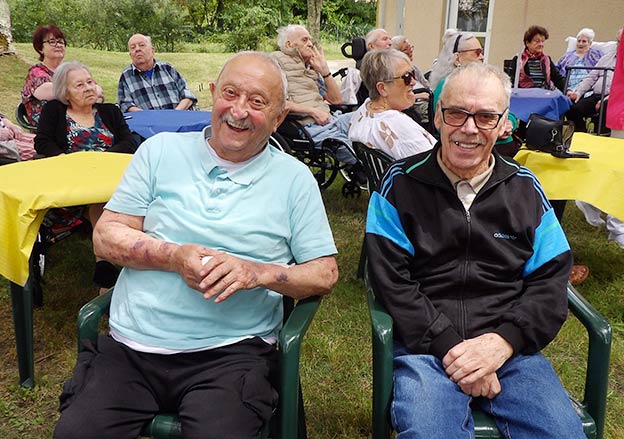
{"x": 6, "y": 39}
{"x": 314, "y": 18}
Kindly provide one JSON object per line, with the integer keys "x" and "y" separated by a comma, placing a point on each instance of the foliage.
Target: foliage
{"x": 249, "y": 26}
{"x": 238, "y": 24}
{"x": 336, "y": 365}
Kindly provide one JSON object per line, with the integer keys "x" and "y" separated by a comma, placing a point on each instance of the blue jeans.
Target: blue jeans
{"x": 532, "y": 404}
{"x": 337, "y": 129}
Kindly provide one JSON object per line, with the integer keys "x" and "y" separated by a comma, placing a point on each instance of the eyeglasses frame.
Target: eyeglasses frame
{"x": 474, "y": 120}
{"x": 60, "y": 41}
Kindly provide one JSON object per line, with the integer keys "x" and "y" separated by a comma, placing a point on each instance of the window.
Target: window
{"x": 472, "y": 16}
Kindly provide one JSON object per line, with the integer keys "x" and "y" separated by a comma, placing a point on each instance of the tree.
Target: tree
{"x": 314, "y": 18}
{"x": 6, "y": 39}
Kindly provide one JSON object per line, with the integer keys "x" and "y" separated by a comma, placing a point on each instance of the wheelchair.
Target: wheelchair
{"x": 292, "y": 137}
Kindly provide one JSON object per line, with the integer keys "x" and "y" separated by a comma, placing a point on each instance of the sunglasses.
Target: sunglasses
{"x": 407, "y": 77}
{"x": 478, "y": 51}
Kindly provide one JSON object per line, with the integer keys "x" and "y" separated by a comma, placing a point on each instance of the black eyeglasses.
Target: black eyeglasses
{"x": 407, "y": 77}
{"x": 484, "y": 120}
{"x": 53, "y": 42}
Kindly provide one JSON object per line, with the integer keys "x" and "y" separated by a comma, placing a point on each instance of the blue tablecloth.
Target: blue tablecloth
{"x": 549, "y": 103}
{"x": 146, "y": 123}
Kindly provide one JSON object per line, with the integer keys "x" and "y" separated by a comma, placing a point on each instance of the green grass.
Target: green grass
{"x": 336, "y": 370}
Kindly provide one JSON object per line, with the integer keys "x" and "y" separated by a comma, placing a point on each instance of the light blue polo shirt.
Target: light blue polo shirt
{"x": 269, "y": 211}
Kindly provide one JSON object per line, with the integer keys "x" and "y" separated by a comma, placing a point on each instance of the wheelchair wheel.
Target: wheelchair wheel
{"x": 323, "y": 165}
{"x": 276, "y": 140}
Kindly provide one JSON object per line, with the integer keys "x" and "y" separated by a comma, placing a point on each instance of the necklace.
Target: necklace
{"x": 377, "y": 109}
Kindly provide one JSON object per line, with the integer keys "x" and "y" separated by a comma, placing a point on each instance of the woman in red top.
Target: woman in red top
{"x": 49, "y": 42}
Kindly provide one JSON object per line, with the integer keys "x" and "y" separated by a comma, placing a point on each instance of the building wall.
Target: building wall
{"x": 424, "y": 24}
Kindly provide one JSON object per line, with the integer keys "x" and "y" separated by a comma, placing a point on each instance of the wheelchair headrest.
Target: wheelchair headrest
{"x": 358, "y": 49}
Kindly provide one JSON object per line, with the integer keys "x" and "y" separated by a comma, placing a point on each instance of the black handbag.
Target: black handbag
{"x": 552, "y": 136}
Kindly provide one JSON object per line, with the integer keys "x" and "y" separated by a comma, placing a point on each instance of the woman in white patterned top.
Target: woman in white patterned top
{"x": 379, "y": 123}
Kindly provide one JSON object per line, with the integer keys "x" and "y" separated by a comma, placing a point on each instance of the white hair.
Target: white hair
{"x": 481, "y": 71}
{"x": 284, "y": 33}
{"x": 372, "y": 36}
{"x": 589, "y": 33}
{"x": 397, "y": 40}
{"x": 453, "y": 41}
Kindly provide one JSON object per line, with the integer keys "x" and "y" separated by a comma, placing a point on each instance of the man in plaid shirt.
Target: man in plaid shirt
{"x": 148, "y": 84}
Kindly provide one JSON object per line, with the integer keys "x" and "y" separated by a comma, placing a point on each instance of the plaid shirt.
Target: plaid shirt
{"x": 164, "y": 91}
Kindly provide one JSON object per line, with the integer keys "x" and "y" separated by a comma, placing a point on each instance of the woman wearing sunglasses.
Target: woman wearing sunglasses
{"x": 460, "y": 48}
{"x": 379, "y": 123}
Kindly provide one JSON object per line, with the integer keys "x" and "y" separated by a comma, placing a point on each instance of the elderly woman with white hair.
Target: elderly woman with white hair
{"x": 582, "y": 56}
{"x": 379, "y": 122}
{"x": 73, "y": 122}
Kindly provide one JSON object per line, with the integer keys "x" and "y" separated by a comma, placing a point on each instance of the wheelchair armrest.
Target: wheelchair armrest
{"x": 343, "y": 108}
{"x": 598, "y": 356}
{"x": 90, "y": 315}
{"x": 293, "y": 116}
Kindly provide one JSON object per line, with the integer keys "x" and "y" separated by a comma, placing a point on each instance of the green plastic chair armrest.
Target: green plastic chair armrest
{"x": 290, "y": 340}
{"x": 381, "y": 327}
{"x": 598, "y": 357}
{"x": 163, "y": 426}
{"x": 89, "y": 317}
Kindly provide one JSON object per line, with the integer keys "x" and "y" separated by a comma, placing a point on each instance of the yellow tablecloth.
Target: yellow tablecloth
{"x": 29, "y": 189}
{"x": 598, "y": 180}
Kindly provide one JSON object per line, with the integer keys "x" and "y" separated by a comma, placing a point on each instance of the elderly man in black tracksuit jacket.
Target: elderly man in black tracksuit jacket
{"x": 469, "y": 259}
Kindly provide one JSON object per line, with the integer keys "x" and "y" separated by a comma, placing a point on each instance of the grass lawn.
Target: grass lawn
{"x": 336, "y": 357}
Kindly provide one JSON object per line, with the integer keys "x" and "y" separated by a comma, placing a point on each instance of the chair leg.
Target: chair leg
{"x": 361, "y": 263}
{"x": 302, "y": 431}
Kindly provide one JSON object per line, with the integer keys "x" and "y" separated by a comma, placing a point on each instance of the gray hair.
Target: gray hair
{"x": 267, "y": 58}
{"x": 589, "y": 33}
{"x": 284, "y": 33}
{"x": 378, "y": 66}
{"x": 397, "y": 40}
{"x": 59, "y": 80}
{"x": 481, "y": 71}
{"x": 147, "y": 37}
{"x": 453, "y": 41}
{"x": 372, "y": 36}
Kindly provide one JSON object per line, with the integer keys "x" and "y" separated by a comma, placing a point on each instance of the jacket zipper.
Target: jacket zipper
{"x": 462, "y": 316}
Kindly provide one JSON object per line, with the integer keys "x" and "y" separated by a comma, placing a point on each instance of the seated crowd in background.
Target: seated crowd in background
{"x": 312, "y": 88}
{"x": 149, "y": 84}
{"x": 74, "y": 121}
{"x": 379, "y": 122}
{"x": 460, "y": 48}
{"x": 583, "y": 55}
{"x": 537, "y": 70}
{"x": 49, "y": 42}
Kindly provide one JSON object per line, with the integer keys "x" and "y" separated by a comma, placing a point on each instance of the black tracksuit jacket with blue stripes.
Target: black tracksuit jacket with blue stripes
{"x": 446, "y": 274}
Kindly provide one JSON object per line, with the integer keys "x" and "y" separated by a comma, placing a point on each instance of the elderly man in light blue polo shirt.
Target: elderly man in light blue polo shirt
{"x": 212, "y": 228}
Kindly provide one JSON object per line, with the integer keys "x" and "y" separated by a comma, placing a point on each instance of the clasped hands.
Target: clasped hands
{"x": 473, "y": 363}
{"x": 10, "y": 131}
{"x": 221, "y": 276}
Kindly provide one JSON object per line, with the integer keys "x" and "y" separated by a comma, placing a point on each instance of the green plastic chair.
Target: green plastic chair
{"x": 288, "y": 422}
{"x": 591, "y": 409}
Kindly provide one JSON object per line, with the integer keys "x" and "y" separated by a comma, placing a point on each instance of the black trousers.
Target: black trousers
{"x": 219, "y": 393}
{"x": 585, "y": 107}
